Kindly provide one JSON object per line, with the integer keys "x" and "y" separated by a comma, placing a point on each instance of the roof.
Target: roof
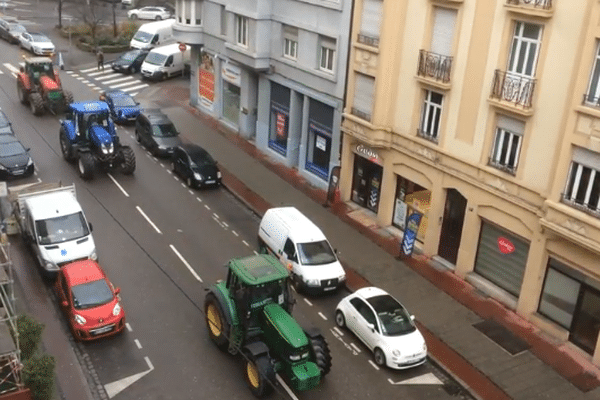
{"x": 157, "y": 24}
{"x": 168, "y": 49}
{"x": 38, "y": 60}
{"x": 301, "y": 228}
{"x": 371, "y": 291}
{"x": 155, "y": 115}
{"x": 89, "y": 106}
{"x": 50, "y": 205}
{"x": 258, "y": 269}
{"x": 83, "y": 271}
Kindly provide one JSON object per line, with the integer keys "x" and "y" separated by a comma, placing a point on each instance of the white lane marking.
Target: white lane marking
{"x": 132, "y": 94}
{"x": 117, "y": 80}
{"x": 355, "y": 347}
{"x": 225, "y": 223}
{"x": 107, "y": 75}
{"x": 98, "y": 89}
{"x": 183, "y": 184}
{"x": 135, "y": 88}
{"x": 148, "y": 219}
{"x": 246, "y": 243}
{"x": 346, "y": 345}
{"x": 425, "y": 379}
{"x": 11, "y": 68}
{"x": 191, "y": 191}
{"x": 216, "y": 215}
{"x": 138, "y": 344}
{"x": 123, "y": 84}
{"x": 186, "y": 263}
{"x": 307, "y": 301}
{"x": 322, "y": 315}
{"x": 117, "y": 183}
{"x": 85, "y": 81}
{"x": 79, "y": 78}
{"x": 199, "y": 199}
{"x": 114, "y": 388}
{"x": 286, "y": 387}
{"x": 235, "y": 233}
{"x": 256, "y": 252}
{"x": 218, "y": 221}
{"x": 207, "y": 207}
{"x": 373, "y": 365}
{"x": 128, "y": 327}
{"x": 87, "y": 70}
{"x": 338, "y": 331}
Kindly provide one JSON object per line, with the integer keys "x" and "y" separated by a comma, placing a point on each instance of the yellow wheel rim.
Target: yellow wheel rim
{"x": 214, "y": 320}
{"x": 253, "y": 375}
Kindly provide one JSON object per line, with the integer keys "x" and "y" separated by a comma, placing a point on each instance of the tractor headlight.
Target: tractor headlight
{"x": 79, "y": 319}
{"x": 117, "y": 309}
{"x": 107, "y": 148}
{"x": 198, "y": 176}
{"x": 295, "y": 357}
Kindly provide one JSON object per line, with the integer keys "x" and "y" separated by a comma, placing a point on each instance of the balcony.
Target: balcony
{"x": 536, "y": 8}
{"x": 539, "y": 4}
{"x": 434, "y": 66}
{"x": 513, "y": 88}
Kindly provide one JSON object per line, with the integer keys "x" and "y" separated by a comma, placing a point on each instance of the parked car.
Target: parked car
{"x": 127, "y": 2}
{"x": 384, "y": 326}
{"x": 15, "y": 161}
{"x": 5, "y": 125}
{"x": 130, "y": 62}
{"x": 155, "y": 131}
{"x": 156, "y": 13}
{"x": 195, "y": 166}
{"x": 5, "y": 21}
{"x": 122, "y": 106}
{"x": 37, "y": 43}
{"x": 15, "y": 30}
{"x": 90, "y": 302}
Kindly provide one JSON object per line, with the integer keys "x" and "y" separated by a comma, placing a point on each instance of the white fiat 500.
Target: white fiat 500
{"x": 384, "y": 326}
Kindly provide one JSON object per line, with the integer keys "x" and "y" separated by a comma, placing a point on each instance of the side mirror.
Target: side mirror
{"x": 371, "y": 326}
{"x": 412, "y": 317}
{"x": 117, "y": 290}
{"x": 27, "y": 149}
{"x": 65, "y": 303}
{"x": 91, "y": 227}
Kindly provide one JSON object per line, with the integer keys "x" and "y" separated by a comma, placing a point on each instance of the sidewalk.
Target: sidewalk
{"x": 521, "y": 363}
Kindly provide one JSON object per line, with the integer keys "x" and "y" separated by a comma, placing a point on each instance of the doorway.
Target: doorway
{"x": 366, "y": 183}
{"x": 452, "y": 225}
{"x": 586, "y": 324}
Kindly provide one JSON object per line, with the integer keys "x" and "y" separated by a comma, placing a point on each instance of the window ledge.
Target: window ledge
{"x": 588, "y": 110}
{"x": 529, "y": 11}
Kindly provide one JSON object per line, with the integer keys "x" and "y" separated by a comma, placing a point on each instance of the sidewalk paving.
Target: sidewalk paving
{"x": 523, "y": 363}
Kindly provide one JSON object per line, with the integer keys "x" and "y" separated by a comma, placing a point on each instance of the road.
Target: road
{"x": 163, "y": 244}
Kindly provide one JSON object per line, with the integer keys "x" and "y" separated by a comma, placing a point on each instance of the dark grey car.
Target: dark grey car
{"x": 5, "y": 125}
{"x": 155, "y": 131}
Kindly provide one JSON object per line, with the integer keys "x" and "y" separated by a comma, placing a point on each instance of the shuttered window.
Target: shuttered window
{"x": 363, "y": 96}
{"x": 444, "y": 21}
{"x": 370, "y": 24}
{"x": 495, "y": 263}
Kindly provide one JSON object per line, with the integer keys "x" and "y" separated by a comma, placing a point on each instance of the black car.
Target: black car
{"x": 155, "y": 131}
{"x": 15, "y": 161}
{"x": 5, "y": 125}
{"x": 130, "y": 62}
{"x": 195, "y": 166}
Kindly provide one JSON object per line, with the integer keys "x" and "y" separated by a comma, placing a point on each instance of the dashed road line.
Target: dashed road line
{"x": 188, "y": 266}
{"x": 286, "y": 387}
{"x": 235, "y": 233}
{"x": 148, "y": 219}
{"x": 246, "y": 243}
{"x": 207, "y": 207}
{"x": 129, "y": 329}
{"x": 355, "y": 347}
{"x": 307, "y": 301}
{"x": 322, "y": 315}
{"x": 373, "y": 365}
{"x": 117, "y": 183}
{"x": 138, "y": 344}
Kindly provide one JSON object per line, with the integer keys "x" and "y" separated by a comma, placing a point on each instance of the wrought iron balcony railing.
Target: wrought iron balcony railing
{"x": 513, "y": 88}
{"x": 435, "y": 66}
{"x": 368, "y": 40}
{"x": 543, "y": 4}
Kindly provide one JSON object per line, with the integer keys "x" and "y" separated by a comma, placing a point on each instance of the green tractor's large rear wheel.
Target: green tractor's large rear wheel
{"x": 218, "y": 327}
{"x": 36, "y": 102}
{"x": 259, "y": 374}
{"x": 321, "y": 352}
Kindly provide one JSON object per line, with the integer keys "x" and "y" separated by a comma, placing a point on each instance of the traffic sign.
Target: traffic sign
{"x": 182, "y": 47}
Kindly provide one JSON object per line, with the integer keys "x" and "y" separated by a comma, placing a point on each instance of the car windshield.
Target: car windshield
{"x": 316, "y": 253}
{"x": 61, "y": 229}
{"x": 124, "y": 101}
{"x": 91, "y": 294}
{"x": 39, "y": 38}
{"x": 164, "y": 130}
{"x": 3, "y": 120}
{"x": 143, "y": 37}
{"x": 155, "y": 58}
{"x": 11, "y": 149}
{"x": 17, "y": 28}
{"x": 132, "y": 55}
{"x": 201, "y": 159}
{"x": 394, "y": 318}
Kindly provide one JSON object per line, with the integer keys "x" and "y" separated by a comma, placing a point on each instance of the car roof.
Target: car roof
{"x": 368, "y": 292}
{"x": 155, "y": 116}
{"x": 52, "y": 205}
{"x": 192, "y": 148}
{"x": 83, "y": 271}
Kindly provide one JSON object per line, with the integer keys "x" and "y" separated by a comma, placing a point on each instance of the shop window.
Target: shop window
{"x": 320, "y": 126}
{"x": 507, "y": 144}
{"x": 559, "y": 296}
{"x": 411, "y": 197}
{"x": 583, "y": 185}
{"x": 279, "y": 119}
{"x": 429, "y": 128}
{"x": 366, "y": 183}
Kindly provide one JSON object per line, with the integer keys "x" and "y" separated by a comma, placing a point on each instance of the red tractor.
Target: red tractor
{"x": 38, "y": 85}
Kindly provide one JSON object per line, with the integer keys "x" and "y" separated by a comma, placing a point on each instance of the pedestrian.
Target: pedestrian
{"x": 100, "y": 58}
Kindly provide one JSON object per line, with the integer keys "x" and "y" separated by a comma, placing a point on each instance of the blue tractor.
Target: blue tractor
{"x": 88, "y": 136}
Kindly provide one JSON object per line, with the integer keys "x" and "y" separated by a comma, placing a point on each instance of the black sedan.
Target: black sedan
{"x": 196, "y": 166}
{"x": 130, "y": 62}
{"x": 155, "y": 131}
{"x": 123, "y": 107}
{"x": 5, "y": 125}
{"x": 15, "y": 161}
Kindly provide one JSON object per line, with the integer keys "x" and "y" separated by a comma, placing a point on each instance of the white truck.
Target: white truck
{"x": 52, "y": 222}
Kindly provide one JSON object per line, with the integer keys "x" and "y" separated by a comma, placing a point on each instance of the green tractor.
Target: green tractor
{"x": 250, "y": 313}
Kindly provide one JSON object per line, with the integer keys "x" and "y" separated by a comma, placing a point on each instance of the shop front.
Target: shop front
{"x": 231, "y": 82}
{"x": 366, "y": 177}
{"x": 411, "y": 198}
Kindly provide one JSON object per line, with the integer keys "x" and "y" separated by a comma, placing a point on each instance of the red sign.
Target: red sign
{"x": 182, "y": 47}
{"x": 505, "y": 246}
{"x": 280, "y": 124}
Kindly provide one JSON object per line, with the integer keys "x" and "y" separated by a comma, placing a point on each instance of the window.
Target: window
{"x": 370, "y": 23}
{"x": 443, "y": 31}
{"x": 290, "y": 42}
{"x": 524, "y": 49}
{"x": 583, "y": 185}
{"x": 198, "y": 12}
{"x": 223, "y": 21}
{"x": 363, "y": 96}
{"x": 241, "y": 30}
{"x": 593, "y": 94}
{"x": 507, "y": 144}
{"x": 187, "y": 11}
{"x": 327, "y": 54}
{"x": 430, "y": 116}
{"x": 559, "y": 296}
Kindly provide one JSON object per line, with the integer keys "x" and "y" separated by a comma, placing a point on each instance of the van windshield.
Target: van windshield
{"x": 316, "y": 253}
{"x": 155, "y": 58}
{"x": 61, "y": 229}
{"x": 143, "y": 37}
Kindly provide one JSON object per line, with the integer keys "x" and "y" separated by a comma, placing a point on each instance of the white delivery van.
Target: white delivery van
{"x": 153, "y": 34}
{"x": 301, "y": 246}
{"x": 165, "y": 61}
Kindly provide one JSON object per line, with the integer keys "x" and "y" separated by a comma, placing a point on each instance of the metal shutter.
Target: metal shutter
{"x": 371, "y": 18}
{"x": 504, "y": 270}
{"x": 443, "y": 31}
{"x": 363, "y": 93}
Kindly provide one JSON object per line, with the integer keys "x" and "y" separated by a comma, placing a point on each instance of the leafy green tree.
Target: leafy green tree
{"x": 38, "y": 376}
{"x": 30, "y": 335}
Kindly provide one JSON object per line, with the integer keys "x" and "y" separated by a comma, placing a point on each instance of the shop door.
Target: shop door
{"x": 586, "y": 322}
{"x": 366, "y": 185}
{"x": 452, "y": 225}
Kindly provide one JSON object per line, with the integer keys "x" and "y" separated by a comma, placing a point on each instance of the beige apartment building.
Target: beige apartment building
{"x": 484, "y": 117}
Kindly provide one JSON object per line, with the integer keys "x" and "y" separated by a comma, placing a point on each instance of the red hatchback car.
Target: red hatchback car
{"x": 89, "y": 301}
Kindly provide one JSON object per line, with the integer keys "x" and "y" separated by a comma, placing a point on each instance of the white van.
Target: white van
{"x": 301, "y": 246}
{"x": 153, "y": 34}
{"x": 165, "y": 61}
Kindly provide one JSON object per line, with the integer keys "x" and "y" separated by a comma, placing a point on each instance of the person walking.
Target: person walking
{"x": 100, "y": 58}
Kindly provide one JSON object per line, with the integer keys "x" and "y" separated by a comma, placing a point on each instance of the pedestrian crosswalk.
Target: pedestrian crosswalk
{"x": 99, "y": 81}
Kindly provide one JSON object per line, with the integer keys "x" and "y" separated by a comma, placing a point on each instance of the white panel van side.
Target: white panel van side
{"x": 165, "y": 61}
{"x": 301, "y": 246}
{"x": 153, "y": 34}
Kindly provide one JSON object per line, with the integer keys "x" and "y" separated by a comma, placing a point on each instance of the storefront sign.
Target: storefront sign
{"x": 206, "y": 80}
{"x": 505, "y": 246}
{"x": 320, "y": 143}
{"x": 400, "y": 213}
{"x": 410, "y": 234}
{"x": 231, "y": 73}
{"x": 368, "y": 153}
{"x": 281, "y": 125}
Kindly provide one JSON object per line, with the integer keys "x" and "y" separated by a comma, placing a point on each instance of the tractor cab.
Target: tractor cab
{"x": 36, "y": 67}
